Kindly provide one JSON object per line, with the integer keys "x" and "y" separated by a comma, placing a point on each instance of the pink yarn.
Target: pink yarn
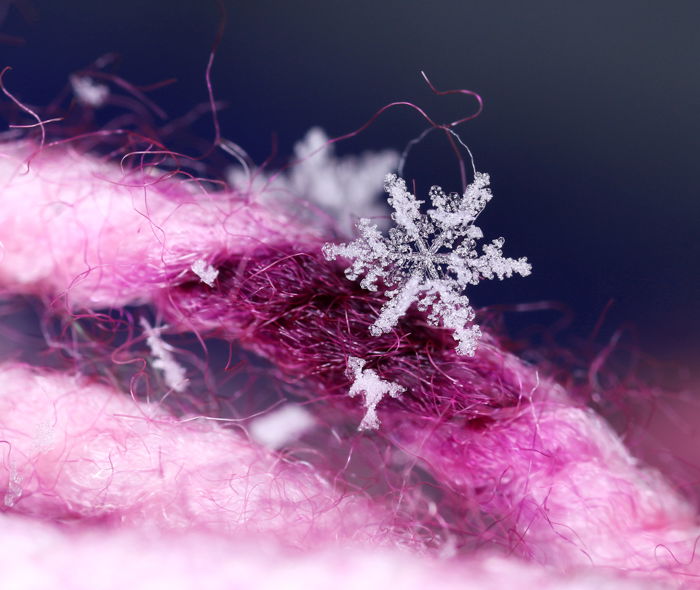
{"x": 38, "y": 555}
{"x": 76, "y": 450}
{"x": 560, "y": 485}
{"x": 512, "y": 461}
{"x": 76, "y": 225}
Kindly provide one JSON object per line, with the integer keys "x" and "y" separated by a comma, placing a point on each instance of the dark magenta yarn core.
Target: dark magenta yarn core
{"x": 299, "y": 311}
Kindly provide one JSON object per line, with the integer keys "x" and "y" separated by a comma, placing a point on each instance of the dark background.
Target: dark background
{"x": 590, "y": 132}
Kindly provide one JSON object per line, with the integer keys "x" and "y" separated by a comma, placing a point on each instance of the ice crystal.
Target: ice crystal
{"x": 163, "y": 359}
{"x": 205, "y": 271}
{"x": 89, "y": 92}
{"x": 428, "y": 258}
{"x": 346, "y": 187}
{"x": 374, "y": 388}
{"x": 281, "y": 426}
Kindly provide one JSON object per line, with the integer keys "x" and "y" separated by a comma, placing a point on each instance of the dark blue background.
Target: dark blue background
{"x": 591, "y": 130}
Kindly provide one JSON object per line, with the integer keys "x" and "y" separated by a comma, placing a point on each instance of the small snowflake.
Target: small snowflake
{"x": 429, "y": 258}
{"x": 345, "y": 187}
{"x": 374, "y": 388}
{"x": 205, "y": 271}
{"x": 89, "y": 92}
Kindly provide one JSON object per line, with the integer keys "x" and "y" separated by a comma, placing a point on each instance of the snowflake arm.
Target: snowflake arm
{"x": 367, "y": 382}
{"x": 428, "y": 259}
{"x": 406, "y": 207}
{"x": 453, "y": 311}
{"x": 491, "y": 263}
{"x": 370, "y": 255}
{"x": 396, "y": 306}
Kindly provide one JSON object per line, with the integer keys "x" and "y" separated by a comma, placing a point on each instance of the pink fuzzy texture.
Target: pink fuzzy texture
{"x": 560, "y": 485}
{"x": 75, "y": 450}
{"x": 183, "y": 504}
{"x": 37, "y": 556}
{"x": 73, "y": 223}
{"x": 547, "y": 478}
{"x": 565, "y": 487}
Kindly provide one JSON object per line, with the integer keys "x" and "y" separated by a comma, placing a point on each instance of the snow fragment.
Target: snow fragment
{"x": 89, "y": 92}
{"x": 205, "y": 271}
{"x": 174, "y": 374}
{"x": 368, "y": 382}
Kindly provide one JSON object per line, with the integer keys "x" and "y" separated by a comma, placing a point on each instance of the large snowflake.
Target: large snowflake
{"x": 429, "y": 259}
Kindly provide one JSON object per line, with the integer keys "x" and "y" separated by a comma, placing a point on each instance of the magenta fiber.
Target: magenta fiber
{"x": 550, "y": 478}
{"x": 290, "y": 305}
{"x": 558, "y": 481}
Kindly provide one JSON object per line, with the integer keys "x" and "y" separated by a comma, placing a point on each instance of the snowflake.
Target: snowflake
{"x": 205, "y": 271}
{"x": 346, "y": 187}
{"x": 429, "y": 258}
{"x": 89, "y": 92}
{"x": 374, "y": 388}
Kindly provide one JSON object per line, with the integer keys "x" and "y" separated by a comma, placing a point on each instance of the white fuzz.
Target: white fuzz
{"x": 88, "y": 91}
{"x": 281, "y": 426}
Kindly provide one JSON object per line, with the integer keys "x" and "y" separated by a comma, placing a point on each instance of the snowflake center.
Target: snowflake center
{"x": 427, "y": 259}
{"x": 426, "y": 262}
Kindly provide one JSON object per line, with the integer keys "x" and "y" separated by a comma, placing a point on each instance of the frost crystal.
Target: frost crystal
{"x": 429, "y": 258}
{"x": 346, "y": 187}
{"x": 205, "y": 271}
{"x": 89, "y": 92}
{"x": 281, "y": 426}
{"x": 174, "y": 374}
{"x": 374, "y": 388}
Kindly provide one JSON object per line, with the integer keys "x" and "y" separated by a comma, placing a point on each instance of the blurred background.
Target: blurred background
{"x": 590, "y": 129}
